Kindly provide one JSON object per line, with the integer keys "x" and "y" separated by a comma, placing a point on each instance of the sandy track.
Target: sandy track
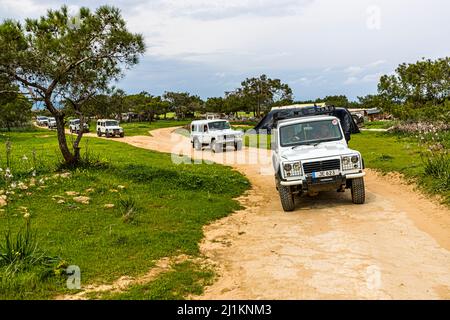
{"x": 396, "y": 246}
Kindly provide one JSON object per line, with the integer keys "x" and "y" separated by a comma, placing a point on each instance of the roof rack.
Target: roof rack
{"x": 301, "y": 112}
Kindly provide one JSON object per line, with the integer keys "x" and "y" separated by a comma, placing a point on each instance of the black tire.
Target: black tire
{"x": 197, "y": 145}
{"x": 286, "y": 197}
{"x": 122, "y": 134}
{"x": 238, "y": 145}
{"x": 358, "y": 191}
{"x": 70, "y": 130}
{"x": 215, "y": 147}
{"x": 99, "y": 133}
{"x": 108, "y": 135}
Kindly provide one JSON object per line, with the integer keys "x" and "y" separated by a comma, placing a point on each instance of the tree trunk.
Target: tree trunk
{"x": 69, "y": 158}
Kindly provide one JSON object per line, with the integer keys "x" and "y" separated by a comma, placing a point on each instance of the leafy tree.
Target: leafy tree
{"x": 215, "y": 104}
{"x": 340, "y": 101}
{"x": 57, "y": 58}
{"x": 418, "y": 90}
{"x": 264, "y": 92}
{"x": 15, "y": 108}
{"x": 183, "y": 103}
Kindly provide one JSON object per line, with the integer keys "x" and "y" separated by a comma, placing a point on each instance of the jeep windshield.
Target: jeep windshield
{"x": 219, "y": 125}
{"x": 111, "y": 123}
{"x": 310, "y": 133}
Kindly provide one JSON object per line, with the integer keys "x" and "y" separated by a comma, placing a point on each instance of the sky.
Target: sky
{"x": 318, "y": 47}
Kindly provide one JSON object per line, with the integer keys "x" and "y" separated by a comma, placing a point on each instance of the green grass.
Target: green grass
{"x": 170, "y": 205}
{"x": 257, "y": 140}
{"x": 186, "y": 278}
{"x": 143, "y": 128}
{"x": 379, "y": 124}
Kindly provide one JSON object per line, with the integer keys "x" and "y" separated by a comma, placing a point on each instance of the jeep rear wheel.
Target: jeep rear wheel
{"x": 99, "y": 133}
{"x": 122, "y": 135}
{"x": 108, "y": 135}
{"x": 238, "y": 145}
{"x": 286, "y": 197}
{"x": 358, "y": 191}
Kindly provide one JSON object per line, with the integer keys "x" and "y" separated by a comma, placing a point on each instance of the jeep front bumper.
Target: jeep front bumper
{"x": 305, "y": 182}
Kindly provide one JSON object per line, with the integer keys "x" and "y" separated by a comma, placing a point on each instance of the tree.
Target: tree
{"x": 418, "y": 83}
{"x": 264, "y": 92}
{"x": 58, "y": 59}
{"x": 215, "y": 104}
{"x": 339, "y": 101}
{"x": 183, "y": 103}
{"x": 15, "y": 108}
{"x": 418, "y": 91}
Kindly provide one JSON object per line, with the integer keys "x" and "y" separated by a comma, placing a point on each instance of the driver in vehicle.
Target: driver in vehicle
{"x": 322, "y": 131}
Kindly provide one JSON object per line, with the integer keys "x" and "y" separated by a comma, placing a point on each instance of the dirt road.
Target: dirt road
{"x": 395, "y": 246}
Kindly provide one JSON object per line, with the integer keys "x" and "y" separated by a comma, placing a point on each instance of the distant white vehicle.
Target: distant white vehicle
{"x": 214, "y": 133}
{"x": 51, "y": 123}
{"x": 109, "y": 128}
{"x": 41, "y": 120}
{"x": 74, "y": 126}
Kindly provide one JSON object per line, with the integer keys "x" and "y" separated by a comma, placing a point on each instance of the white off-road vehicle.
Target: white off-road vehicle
{"x": 42, "y": 120}
{"x": 109, "y": 128}
{"x": 215, "y": 133}
{"x": 51, "y": 123}
{"x": 310, "y": 154}
{"x": 74, "y": 126}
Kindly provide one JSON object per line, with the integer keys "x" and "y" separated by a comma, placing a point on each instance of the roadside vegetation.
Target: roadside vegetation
{"x": 118, "y": 213}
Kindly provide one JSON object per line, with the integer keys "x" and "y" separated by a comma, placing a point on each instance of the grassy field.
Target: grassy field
{"x": 379, "y": 124}
{"x": 143, "y": 128}
{"x": 140, "y": 207}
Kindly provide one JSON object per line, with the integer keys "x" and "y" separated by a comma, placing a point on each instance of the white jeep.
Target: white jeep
{"x": 74, "y": 126}
{"x": 109, "y": 128}
{"x": 310, "y": 154}
{"x": 51, "y": 123}
{"x": 215, "y": 133}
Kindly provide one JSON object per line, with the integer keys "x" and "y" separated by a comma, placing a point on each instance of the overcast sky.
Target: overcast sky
{"x": 318, "y": 47}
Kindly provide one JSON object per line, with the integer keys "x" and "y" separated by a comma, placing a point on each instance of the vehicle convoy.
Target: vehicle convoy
{"x": 215, "y": 133}
{"x": 74, "y": 126}
{"x": 310, "y": 154}
{"x": 51, "y": 123}
{"x": 109, "y": 128}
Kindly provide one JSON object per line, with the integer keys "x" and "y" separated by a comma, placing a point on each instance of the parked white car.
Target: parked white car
{"x": 74, "y": 126}
{"x": 310, "y": 154}
{"x": 109, "y": 128}
{"x": 51, "y": 123}
{"x": 215, "y": 133}
{"x": 41, "y": 120}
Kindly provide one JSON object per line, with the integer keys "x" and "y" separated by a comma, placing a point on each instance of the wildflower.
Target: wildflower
{"x": 26, "y": 216}
{"x": 13, "y": 185}
{"x": 24, "y": 158}
{"x": 33, "y": 173}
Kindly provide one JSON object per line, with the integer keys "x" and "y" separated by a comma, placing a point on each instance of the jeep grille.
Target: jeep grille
{"x": 324, "y": 165}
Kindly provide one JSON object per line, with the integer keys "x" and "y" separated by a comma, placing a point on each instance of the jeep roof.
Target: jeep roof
{"x": 207, "y": 121}
{"x": 305, "y": 119}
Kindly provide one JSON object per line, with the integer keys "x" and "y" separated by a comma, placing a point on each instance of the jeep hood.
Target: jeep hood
{"x": 311, "y": 152}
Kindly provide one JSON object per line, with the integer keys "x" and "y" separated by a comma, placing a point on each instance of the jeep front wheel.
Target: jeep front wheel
{"x": 358, "y": 191}
{"x": 196, "y": 144}
{"x": 286, "y": 197}
{"x": 216, "y": 147}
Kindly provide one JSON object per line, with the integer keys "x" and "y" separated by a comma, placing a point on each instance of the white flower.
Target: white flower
{"x": 24, "y": 158}
{"x": 26, "y": 216}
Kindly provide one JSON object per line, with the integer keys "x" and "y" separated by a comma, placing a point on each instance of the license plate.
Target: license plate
{"x": 324, "y": 174}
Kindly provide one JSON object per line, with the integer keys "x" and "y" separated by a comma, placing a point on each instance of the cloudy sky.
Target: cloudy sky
{"x": 318, "y": 47}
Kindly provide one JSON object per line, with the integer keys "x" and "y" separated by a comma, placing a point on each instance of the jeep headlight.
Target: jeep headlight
{"x": 292, "y": 169}
{"x": 351, "y": 162}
